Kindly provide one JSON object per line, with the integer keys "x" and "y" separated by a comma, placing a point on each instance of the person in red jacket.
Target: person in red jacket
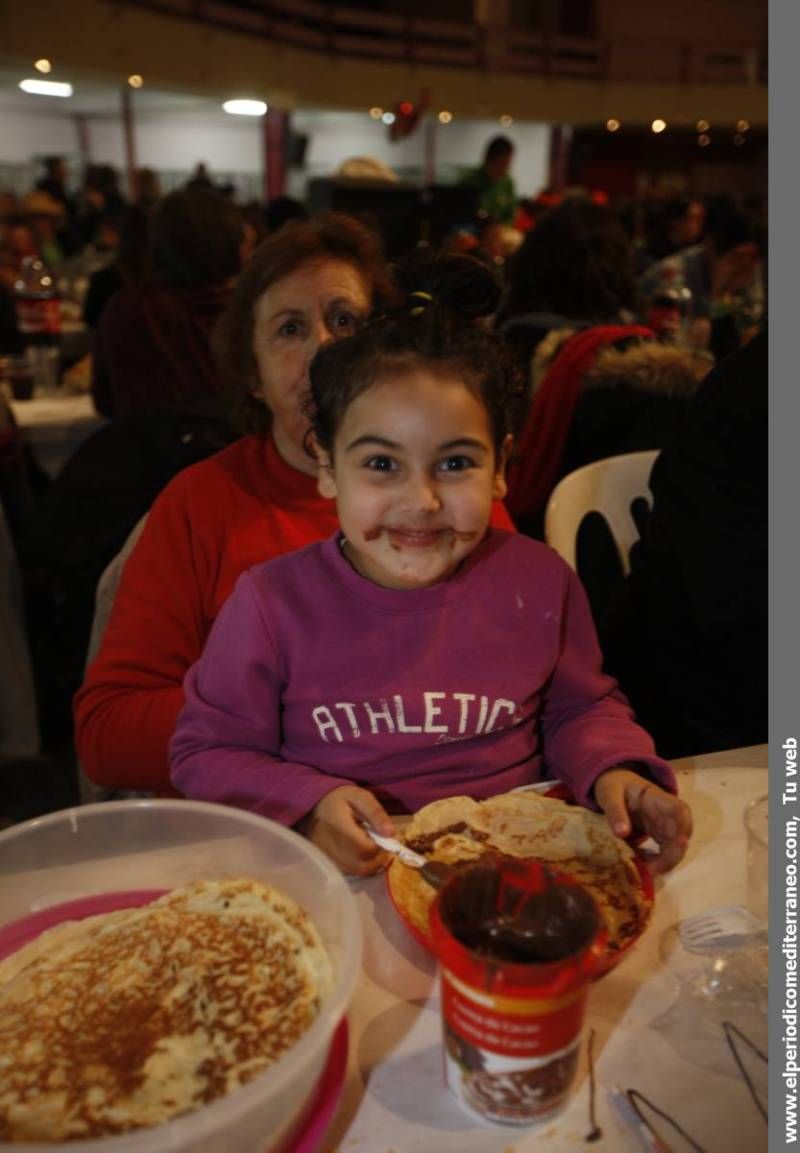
{"x": 308, "y": 284}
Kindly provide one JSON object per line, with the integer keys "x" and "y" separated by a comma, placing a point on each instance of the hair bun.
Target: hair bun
{"x": 461, "y": 283}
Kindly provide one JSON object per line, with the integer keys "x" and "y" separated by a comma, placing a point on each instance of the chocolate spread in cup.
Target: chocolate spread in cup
{"x": 486, "y": 911}
{"x": 514, "y": 940}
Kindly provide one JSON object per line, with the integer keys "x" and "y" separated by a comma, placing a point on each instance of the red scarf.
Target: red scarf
{"x": 540, "y": 446}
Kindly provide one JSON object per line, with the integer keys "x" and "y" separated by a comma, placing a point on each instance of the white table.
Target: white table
{"x": 646, "y": 1037}
{"x": 55, "y": 426}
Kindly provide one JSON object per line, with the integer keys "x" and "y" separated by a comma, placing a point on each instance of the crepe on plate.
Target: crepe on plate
{"x": 525, "y": 824}
{"x": 127, "y": 1019}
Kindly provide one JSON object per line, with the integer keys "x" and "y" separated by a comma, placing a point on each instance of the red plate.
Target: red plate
{"x": 560, "y": 793}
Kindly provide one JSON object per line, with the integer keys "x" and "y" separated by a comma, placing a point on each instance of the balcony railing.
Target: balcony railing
{"x": 353, "y": 32}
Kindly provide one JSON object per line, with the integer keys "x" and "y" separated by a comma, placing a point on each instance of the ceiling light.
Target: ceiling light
{"x": 506, "y": 121}
{"x": 445, "y": 117}
{"x": 612, "y": 125}
{"x": 135, "y": 81}
{"x": 45, "y": 88}
{"x": 658, "y": 125}
{"x": 43, "y": 65}
{"x": 376, "y": 112}
{"x": 703, "y": 126}
{"x": 388, "y": 118}
{"x": 245, "y": 107}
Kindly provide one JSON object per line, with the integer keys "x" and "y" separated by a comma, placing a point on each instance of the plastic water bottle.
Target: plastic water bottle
{"x": 38, "y": 310}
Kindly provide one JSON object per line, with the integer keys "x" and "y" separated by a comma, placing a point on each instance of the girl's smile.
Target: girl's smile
{"x": 410, "y": 538}
{"x": 414, "y": 473}
{"x": 414, "y": 538}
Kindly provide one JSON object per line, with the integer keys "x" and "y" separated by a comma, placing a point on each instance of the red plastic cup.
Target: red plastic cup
{"x": 512, "y": 1029}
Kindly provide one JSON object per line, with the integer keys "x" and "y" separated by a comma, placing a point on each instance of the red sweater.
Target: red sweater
{"x": 216, "y": 519}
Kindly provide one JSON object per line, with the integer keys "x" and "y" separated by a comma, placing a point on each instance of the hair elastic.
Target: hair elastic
{"x": 420, "y": 308}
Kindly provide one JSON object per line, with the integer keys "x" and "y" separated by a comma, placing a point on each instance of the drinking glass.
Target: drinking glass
{"x": 46, "y": 370}
{"x": 19, "y": 373}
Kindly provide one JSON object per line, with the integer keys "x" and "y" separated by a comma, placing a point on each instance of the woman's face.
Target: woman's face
{"x": 318, "y": 302}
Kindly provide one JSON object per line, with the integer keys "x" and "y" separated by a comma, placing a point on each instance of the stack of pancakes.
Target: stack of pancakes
{"x": 525, "y": 825}
{"x": 130, "y": 1018}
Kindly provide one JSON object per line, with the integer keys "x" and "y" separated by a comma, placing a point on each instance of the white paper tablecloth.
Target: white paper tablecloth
{"x": 55, "y": 426}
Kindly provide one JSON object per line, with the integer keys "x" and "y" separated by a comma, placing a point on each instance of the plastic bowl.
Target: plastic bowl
{"x": 121, "y": 846}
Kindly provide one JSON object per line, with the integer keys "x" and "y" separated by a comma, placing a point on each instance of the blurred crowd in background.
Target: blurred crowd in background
{"x": 687, "y": 259}
{"x": 660, "y": 289}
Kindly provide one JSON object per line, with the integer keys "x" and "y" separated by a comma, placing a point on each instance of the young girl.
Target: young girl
{"x": 418, "y": 654}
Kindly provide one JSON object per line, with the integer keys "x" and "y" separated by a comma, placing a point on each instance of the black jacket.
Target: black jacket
{"x": 688, "y": 636}
{"x": 82, "y": 522}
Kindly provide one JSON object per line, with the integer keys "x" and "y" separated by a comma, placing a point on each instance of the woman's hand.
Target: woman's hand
{"x": 334, "y": 826}
{"x": 633, "y": 804}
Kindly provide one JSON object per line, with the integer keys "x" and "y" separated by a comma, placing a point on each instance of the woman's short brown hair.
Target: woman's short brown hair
{"x": 329, "y": 236}
{"x": 193, "y": 239}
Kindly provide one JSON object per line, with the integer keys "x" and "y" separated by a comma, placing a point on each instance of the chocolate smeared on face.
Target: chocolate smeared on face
{"x": 494, "y": 915}
{"x": 453, "y": 533}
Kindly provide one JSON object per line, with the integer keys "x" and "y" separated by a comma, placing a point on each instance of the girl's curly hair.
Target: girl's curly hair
{"x": 437, "y": 326}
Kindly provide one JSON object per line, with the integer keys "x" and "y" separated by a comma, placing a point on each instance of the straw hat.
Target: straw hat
{"x": 367, "y": 168}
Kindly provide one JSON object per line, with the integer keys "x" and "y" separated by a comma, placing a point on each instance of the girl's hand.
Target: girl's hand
{"x": 633, "y": 804}
{"x": 334, "y": 826}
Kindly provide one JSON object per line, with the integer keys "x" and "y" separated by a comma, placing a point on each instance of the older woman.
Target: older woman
{"x": 308, "y": 284}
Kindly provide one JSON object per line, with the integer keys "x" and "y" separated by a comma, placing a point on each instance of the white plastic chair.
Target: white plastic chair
{"x": 607, "y": 486}
{"x": 104, "y": 602}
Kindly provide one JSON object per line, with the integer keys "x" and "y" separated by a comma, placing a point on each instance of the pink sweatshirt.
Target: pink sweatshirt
{"x": 314, "y": 677}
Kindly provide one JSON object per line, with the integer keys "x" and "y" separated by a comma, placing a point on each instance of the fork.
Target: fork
{"x": 648, "y": 1140}
{"x": 434, "y": 872}
{"x": 723, "y": 928}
